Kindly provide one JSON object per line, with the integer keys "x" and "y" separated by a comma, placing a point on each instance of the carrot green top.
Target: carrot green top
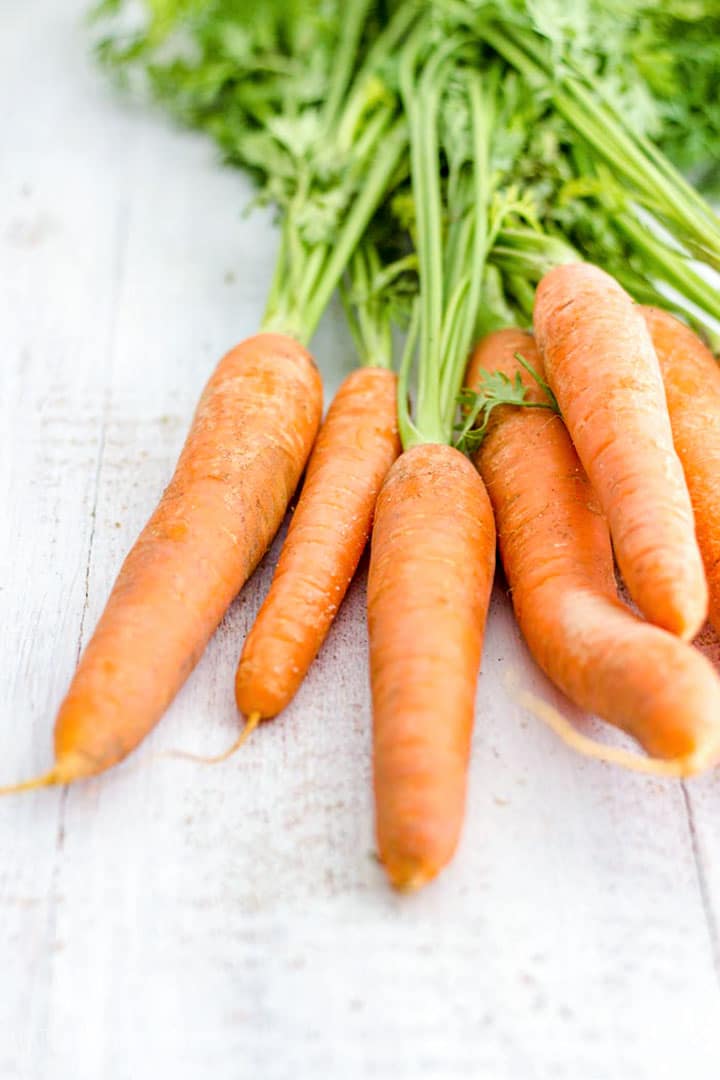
{"x": 450, "y": 228}
{"x": 300, "y": 96}
{"x": 534, "y": 139}
{"x": 454, "y": 106}
{"x": 378, "y": 290}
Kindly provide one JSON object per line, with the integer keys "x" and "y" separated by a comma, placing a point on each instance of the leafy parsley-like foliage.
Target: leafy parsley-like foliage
{"x": 496, "y": 388}
{"x": 548, "y": 120}
{"x": 299, "y": 94}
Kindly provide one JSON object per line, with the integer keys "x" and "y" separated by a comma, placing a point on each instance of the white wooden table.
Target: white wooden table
{"x": 170, "y": 919}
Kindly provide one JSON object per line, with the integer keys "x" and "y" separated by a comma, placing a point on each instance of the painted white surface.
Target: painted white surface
{"x": 174, "y": 920}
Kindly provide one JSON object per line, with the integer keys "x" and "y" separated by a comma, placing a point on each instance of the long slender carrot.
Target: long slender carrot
{"x": 433, "y": 545}
{"x": 251, "y": 435}
{"x": 603, "y": 370}
{"x": 357, "y": 444}
{"x": 428, "y": 593}
{"x": 555, "y": 548}
{"x": 692, "y": 387}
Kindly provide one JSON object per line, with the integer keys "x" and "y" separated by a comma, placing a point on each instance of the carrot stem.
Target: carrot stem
{"x": 657, "y": 183}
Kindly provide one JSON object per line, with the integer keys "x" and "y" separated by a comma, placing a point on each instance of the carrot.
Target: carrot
{"x": 432, "y": 555}
{"x": 692, "y": 387}
{"x": 603, "y": 370}
{"x": 357, "y": 444}
{"x": 431, "y": 571}
{"x": 556, "y": 552}
{"x": 261, "y": 411}
{"x": 250, "y": 438}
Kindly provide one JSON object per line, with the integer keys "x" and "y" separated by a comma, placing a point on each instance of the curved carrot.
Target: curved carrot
{"x": 357, "y": 444}
{"x": 692, "y": 387}
{"x": 251, "y": 435}
{"x": 603, "y": 370}
{"x": 431, "y": 571}
{"x": 556, "y": 551}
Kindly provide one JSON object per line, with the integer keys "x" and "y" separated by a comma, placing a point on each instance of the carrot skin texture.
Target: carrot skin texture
{"x": 692, "y": 386}
{"x": 556, "y": 552}
{"x": 357, "y": 444}
{"x": 602, "y": 367}
{"x": 431, "y": 571}
{"x": 250, "y": 437}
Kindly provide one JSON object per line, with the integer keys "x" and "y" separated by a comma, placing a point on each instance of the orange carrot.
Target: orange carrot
{"x": 603, "y": 370}
{"x": 431, "y": 571}
{"x": 692, "y": 387}
{"x": 432, "y": 557}
{"x": 356, "y": 446}
{"x": 251, "y": 435}
{"x": 556, "y": 552}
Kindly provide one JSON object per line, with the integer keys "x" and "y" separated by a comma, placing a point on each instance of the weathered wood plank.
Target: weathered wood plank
{"x": 173, "y": 917}
{"x": 59, "y": 223}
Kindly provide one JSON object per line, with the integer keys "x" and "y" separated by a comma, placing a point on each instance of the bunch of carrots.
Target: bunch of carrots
{"x": 400, "y": 170}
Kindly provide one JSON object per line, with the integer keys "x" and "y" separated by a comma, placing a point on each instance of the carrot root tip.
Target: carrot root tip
{"x": 251, "y": 723}
{"x": 48, "y": 779}
{"x": 702, "y": 760}
{"x": 408, "y": 876}
{"x": 674, "y": 768}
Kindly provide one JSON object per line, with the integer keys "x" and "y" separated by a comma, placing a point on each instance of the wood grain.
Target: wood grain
{"x": 170, "y": 919}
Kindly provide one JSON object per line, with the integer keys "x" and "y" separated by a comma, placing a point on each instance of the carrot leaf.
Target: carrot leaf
{"x": 496, "y": 388}
{"x": 300, "y": 95}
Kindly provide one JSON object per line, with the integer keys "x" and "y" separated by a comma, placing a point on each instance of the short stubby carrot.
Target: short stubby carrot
{"x": 556, "y": 552}
{"x": 692, "y": 386}
{"x": 251, "y": 435}
{"x": 357, "y": 444}
{"x": 431, "y": 572}
{"x": 602, "y": 367}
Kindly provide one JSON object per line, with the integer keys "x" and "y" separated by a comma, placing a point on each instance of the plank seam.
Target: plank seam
{"x": 703, "y": 885}
{"x": 117, "y": 280}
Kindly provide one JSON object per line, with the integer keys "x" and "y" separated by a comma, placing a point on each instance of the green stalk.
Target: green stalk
{"x": 356, "y": 15}
{"x": 409, "y": 433}
{"x": 496, "y": 311}
{"x": 364, "y": 206}
{"x": 366, "y": 148}
{"x": 456, "y": 226}
{"x": 523, "y": 294}
{"x": 521, "y": 251}
{"x": 367, "y": 309}
{"x": 422, "y": 104}
{"x": 279, "y": 273}
{"x": 482, "y": 109}
{"x": 644, "y": 292}
{"x": 362, "y": 122}
{"x": 671, "y": 266}
{"x": 422, "y": 95}
{"x": 367, "y": 90}
{"x": 659, "y": 186}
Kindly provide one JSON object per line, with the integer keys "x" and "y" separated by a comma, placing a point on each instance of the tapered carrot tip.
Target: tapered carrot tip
{"x": 408, "y": 875}
{"x": 49, "y": 779}
{"x": 704, "y": 758}
{"x": 66, "y": 770}
{"x": 251, "y": 723}
{"x": 696, "y": 761}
